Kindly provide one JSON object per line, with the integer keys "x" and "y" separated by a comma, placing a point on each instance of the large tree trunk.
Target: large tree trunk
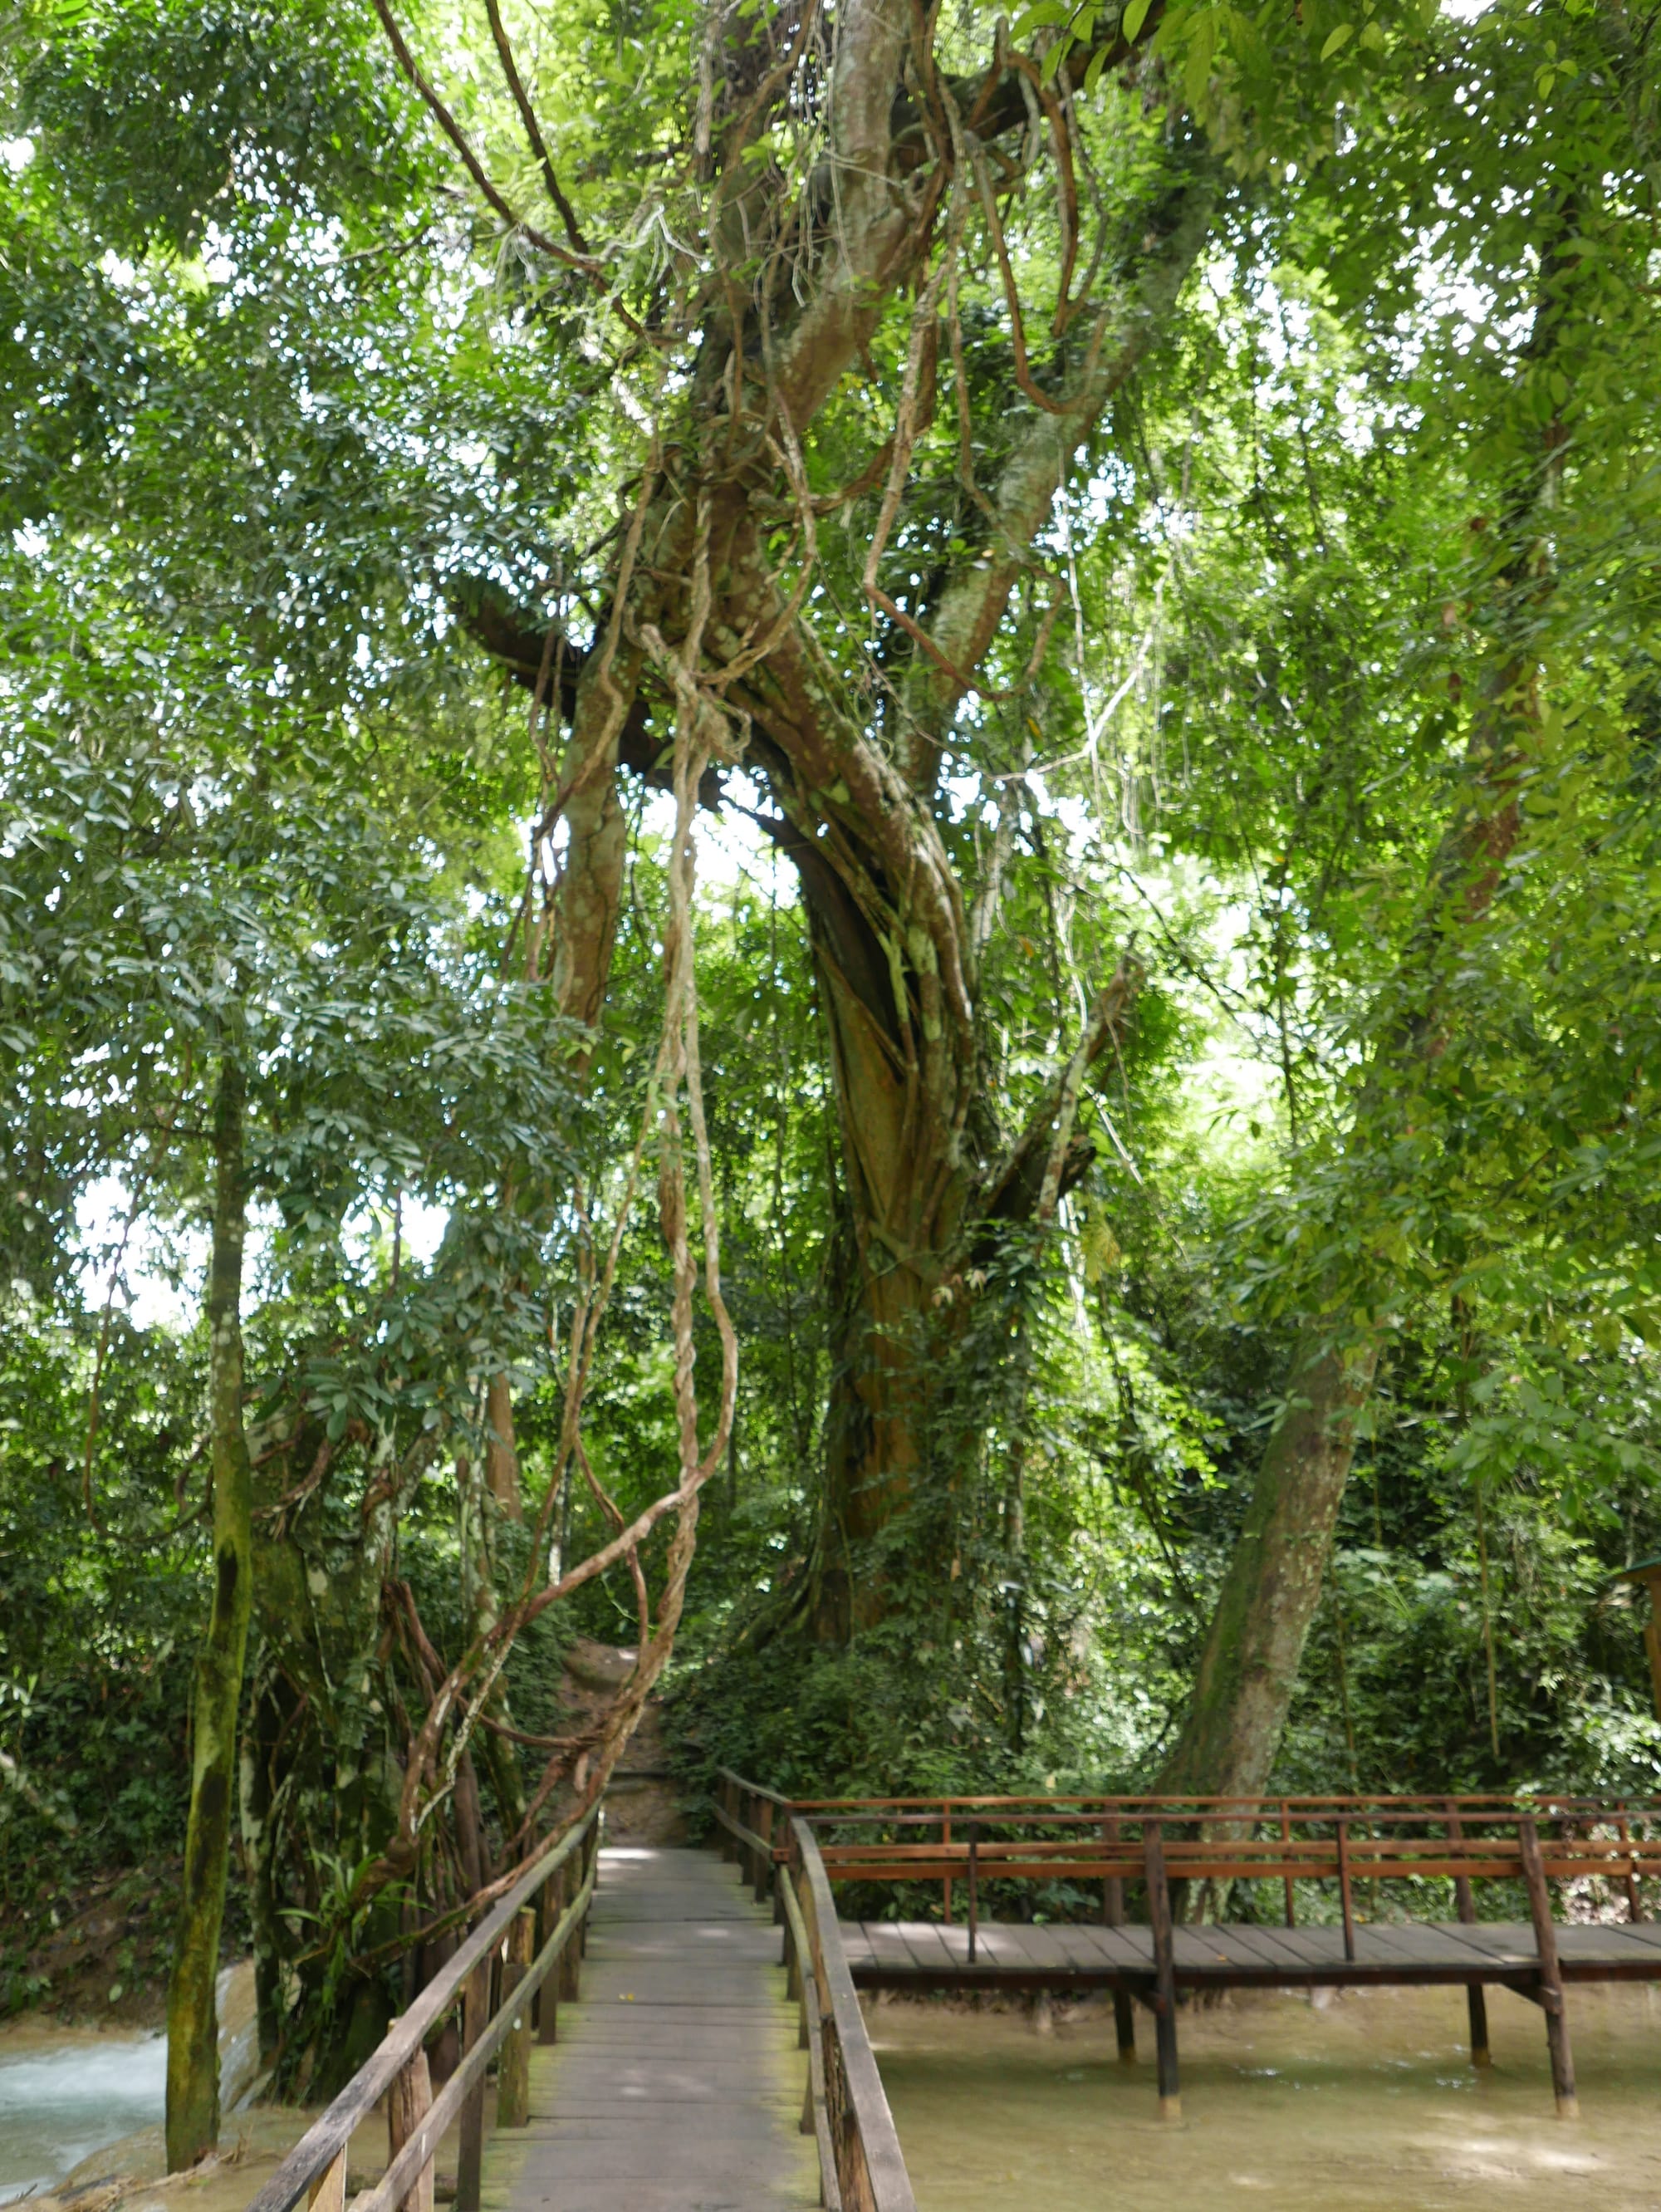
{"x": 854, "y": 774}
{"x": 192, "y": 2120}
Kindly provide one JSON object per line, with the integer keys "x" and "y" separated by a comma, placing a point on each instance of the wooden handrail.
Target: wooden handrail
{"x": 869, "y": 2168}
{"x": 1091, "y": 1804}
{"x": 861, "y": 2167}
{"x": 1090, "y": 1837}
{"x": 753, "y": 1788}
{"x": 817, "y": 2108}
{"x": 309, "y": 2171}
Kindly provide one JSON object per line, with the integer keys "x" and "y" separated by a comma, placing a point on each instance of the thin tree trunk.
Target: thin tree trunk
{"x": 501, "y": 1457}
{"x": 1249, "y": 1665}
{"x": 192, "y": 2118}
{"x": 1249, "y": 1662}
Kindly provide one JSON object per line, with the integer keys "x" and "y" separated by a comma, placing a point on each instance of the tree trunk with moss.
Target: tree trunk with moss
{"x": 192, "y": 2118}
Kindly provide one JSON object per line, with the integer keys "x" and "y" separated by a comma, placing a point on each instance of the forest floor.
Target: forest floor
{"x": 97, "y": 1953}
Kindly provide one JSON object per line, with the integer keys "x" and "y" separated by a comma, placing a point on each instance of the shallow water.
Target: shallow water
{"x": 1364, "y": 2103}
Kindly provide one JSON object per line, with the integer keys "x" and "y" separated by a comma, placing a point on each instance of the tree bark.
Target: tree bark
{"x": 192, "y": 2112}
{"x": 501, "y": 1458}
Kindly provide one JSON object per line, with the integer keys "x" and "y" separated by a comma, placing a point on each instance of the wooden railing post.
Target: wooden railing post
{"x": 974, "y": 1887}
{"x": 1286, "y": 1837}
{"x": 1344, "y": 1897}
{"x": 1634, "y": 1908}
{"x": 328, "y": 2192}
{"x": 547, "y": 1998}
{"x": 567, "y": 1973}
{"x": 764, "y": 1858}
{"x": 469, "y": 2159}
{"x": 1551, "y": 1977}
{"x": 407, "y": 2103}
{"x": 1475, "y": 1998}
{"x": 1165, "y": 1970}
{"x": 513, "y": 2067}
{"x": 946, "y": 1884}
{"x": 1113, "y": 1916}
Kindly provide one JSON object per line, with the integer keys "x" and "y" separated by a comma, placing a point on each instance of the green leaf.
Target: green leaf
{"x": 1042, "y": 12}
{"x": 1335, "y": 38}
{"x": 1134, "y": 18}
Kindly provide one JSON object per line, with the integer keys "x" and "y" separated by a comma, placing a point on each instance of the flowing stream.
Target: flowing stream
{"x": 66, "y": 2093}
{"x": 63, "y": 2096}
{"x": 1362, "y": 2104}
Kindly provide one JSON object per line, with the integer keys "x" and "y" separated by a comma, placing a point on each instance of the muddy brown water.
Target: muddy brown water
{"x": 1363, "y": 2104}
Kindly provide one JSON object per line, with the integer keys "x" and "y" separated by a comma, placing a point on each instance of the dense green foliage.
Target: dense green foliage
{"x": 1332, "y": 693}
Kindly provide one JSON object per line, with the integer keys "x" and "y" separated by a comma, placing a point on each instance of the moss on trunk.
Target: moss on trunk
{"x": 192, "y": 2126}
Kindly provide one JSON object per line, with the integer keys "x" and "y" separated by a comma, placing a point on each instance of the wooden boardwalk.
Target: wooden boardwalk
{"x": 925, "y": 1954}
{"x": 676, "y": 2083}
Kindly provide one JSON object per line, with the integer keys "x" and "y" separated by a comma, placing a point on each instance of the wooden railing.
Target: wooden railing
{"x": 496, "y": 1977}
{"x": 861, "y": 2168}
{"x": 1346, "y": 1840}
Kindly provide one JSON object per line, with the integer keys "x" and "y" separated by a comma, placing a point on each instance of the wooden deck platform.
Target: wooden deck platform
{"x": 676, "y": 2083}
{"x": 926, "y": 1954}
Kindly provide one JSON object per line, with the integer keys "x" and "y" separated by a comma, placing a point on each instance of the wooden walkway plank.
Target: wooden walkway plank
{"x": 675, "y": 2085}
{"x": 1393, "y": 1941}
{"x": 1504, "y": 1942}
{"x": 1301, "y": 1948}
{"x": 1237, "y": 1945}
{"x": 1253, "y": 1945}
{"x": 1640, "y": 1935}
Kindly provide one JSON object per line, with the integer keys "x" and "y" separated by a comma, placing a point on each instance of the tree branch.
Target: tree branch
{"x": 1034, "y": 1173}
{"x": 533, "y": 132}
{"x": 458, "y": 137}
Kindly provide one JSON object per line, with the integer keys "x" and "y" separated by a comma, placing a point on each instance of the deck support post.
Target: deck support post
{"x": 547, "y": 1998}
{"x": 513, "y": 2067}
{"x": 764, "y": 1859}
{"x": 1476, "y": 2008}
{"x": 1551, "y": 1976}
{"x": 1124, "y": 2027}
{"x": 1165, "y": 1970}
{"x": 407, "y": 2103}
{"x": 1346, "y": 1902}
{"x": 975, "y": 1888}
{"x": 1475, "y": 1998}
{"x": 470, "y": 2158}
{"x": 1113, "y": 1916}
